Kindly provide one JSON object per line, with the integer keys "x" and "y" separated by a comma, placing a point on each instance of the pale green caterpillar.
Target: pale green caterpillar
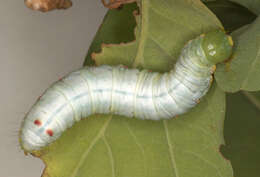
{"x": 128, "y": 92}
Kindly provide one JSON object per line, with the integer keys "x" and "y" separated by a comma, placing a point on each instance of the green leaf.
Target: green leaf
{"x": 162, "y": 30}
{"x": 242, "y": 134}
{"x": 253, "y": 5}
{"x": 110, "y": 145}
{"x": 242, "y": 71}
{"x": 112, "y": 30}
{"x": 232, "y": 15}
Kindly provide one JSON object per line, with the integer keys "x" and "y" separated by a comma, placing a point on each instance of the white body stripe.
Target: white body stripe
{"x": 117, "y": 90}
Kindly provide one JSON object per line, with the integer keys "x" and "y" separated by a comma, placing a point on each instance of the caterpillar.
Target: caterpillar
{"x": 127, "y": 92}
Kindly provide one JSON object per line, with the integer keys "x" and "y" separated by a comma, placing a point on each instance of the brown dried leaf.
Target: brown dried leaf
{"x": 47, "y": 5}
{"x": 114, "y": 4}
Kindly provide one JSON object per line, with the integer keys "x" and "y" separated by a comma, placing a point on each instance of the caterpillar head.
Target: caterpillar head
{"x": 217, "y": 46}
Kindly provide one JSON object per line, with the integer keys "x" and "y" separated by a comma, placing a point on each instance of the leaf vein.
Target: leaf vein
{"x": 139, "y": 146}
{"x": 206, "y": 161}
{"x": 252, "y": 99}
{"x": 170, "y": 149}
{"x": 85, "y": 154}
{"x": 204, "y": 131}
{"x": 160, "y": 46}
{"x": 172, "y": 19}
{"x": 112, "y": 160}
{"x": 251, "y": 69}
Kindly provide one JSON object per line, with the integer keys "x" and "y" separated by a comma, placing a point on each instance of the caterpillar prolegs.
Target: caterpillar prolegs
{"x": 128, "y": 92}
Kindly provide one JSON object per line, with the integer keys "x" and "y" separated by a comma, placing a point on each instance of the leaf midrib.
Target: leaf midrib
{"x": 143, "y": 26}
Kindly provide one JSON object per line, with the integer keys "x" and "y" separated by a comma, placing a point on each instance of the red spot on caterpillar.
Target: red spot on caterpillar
{"x": 49, "y": 132}
{"x": 37, "y": 122}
